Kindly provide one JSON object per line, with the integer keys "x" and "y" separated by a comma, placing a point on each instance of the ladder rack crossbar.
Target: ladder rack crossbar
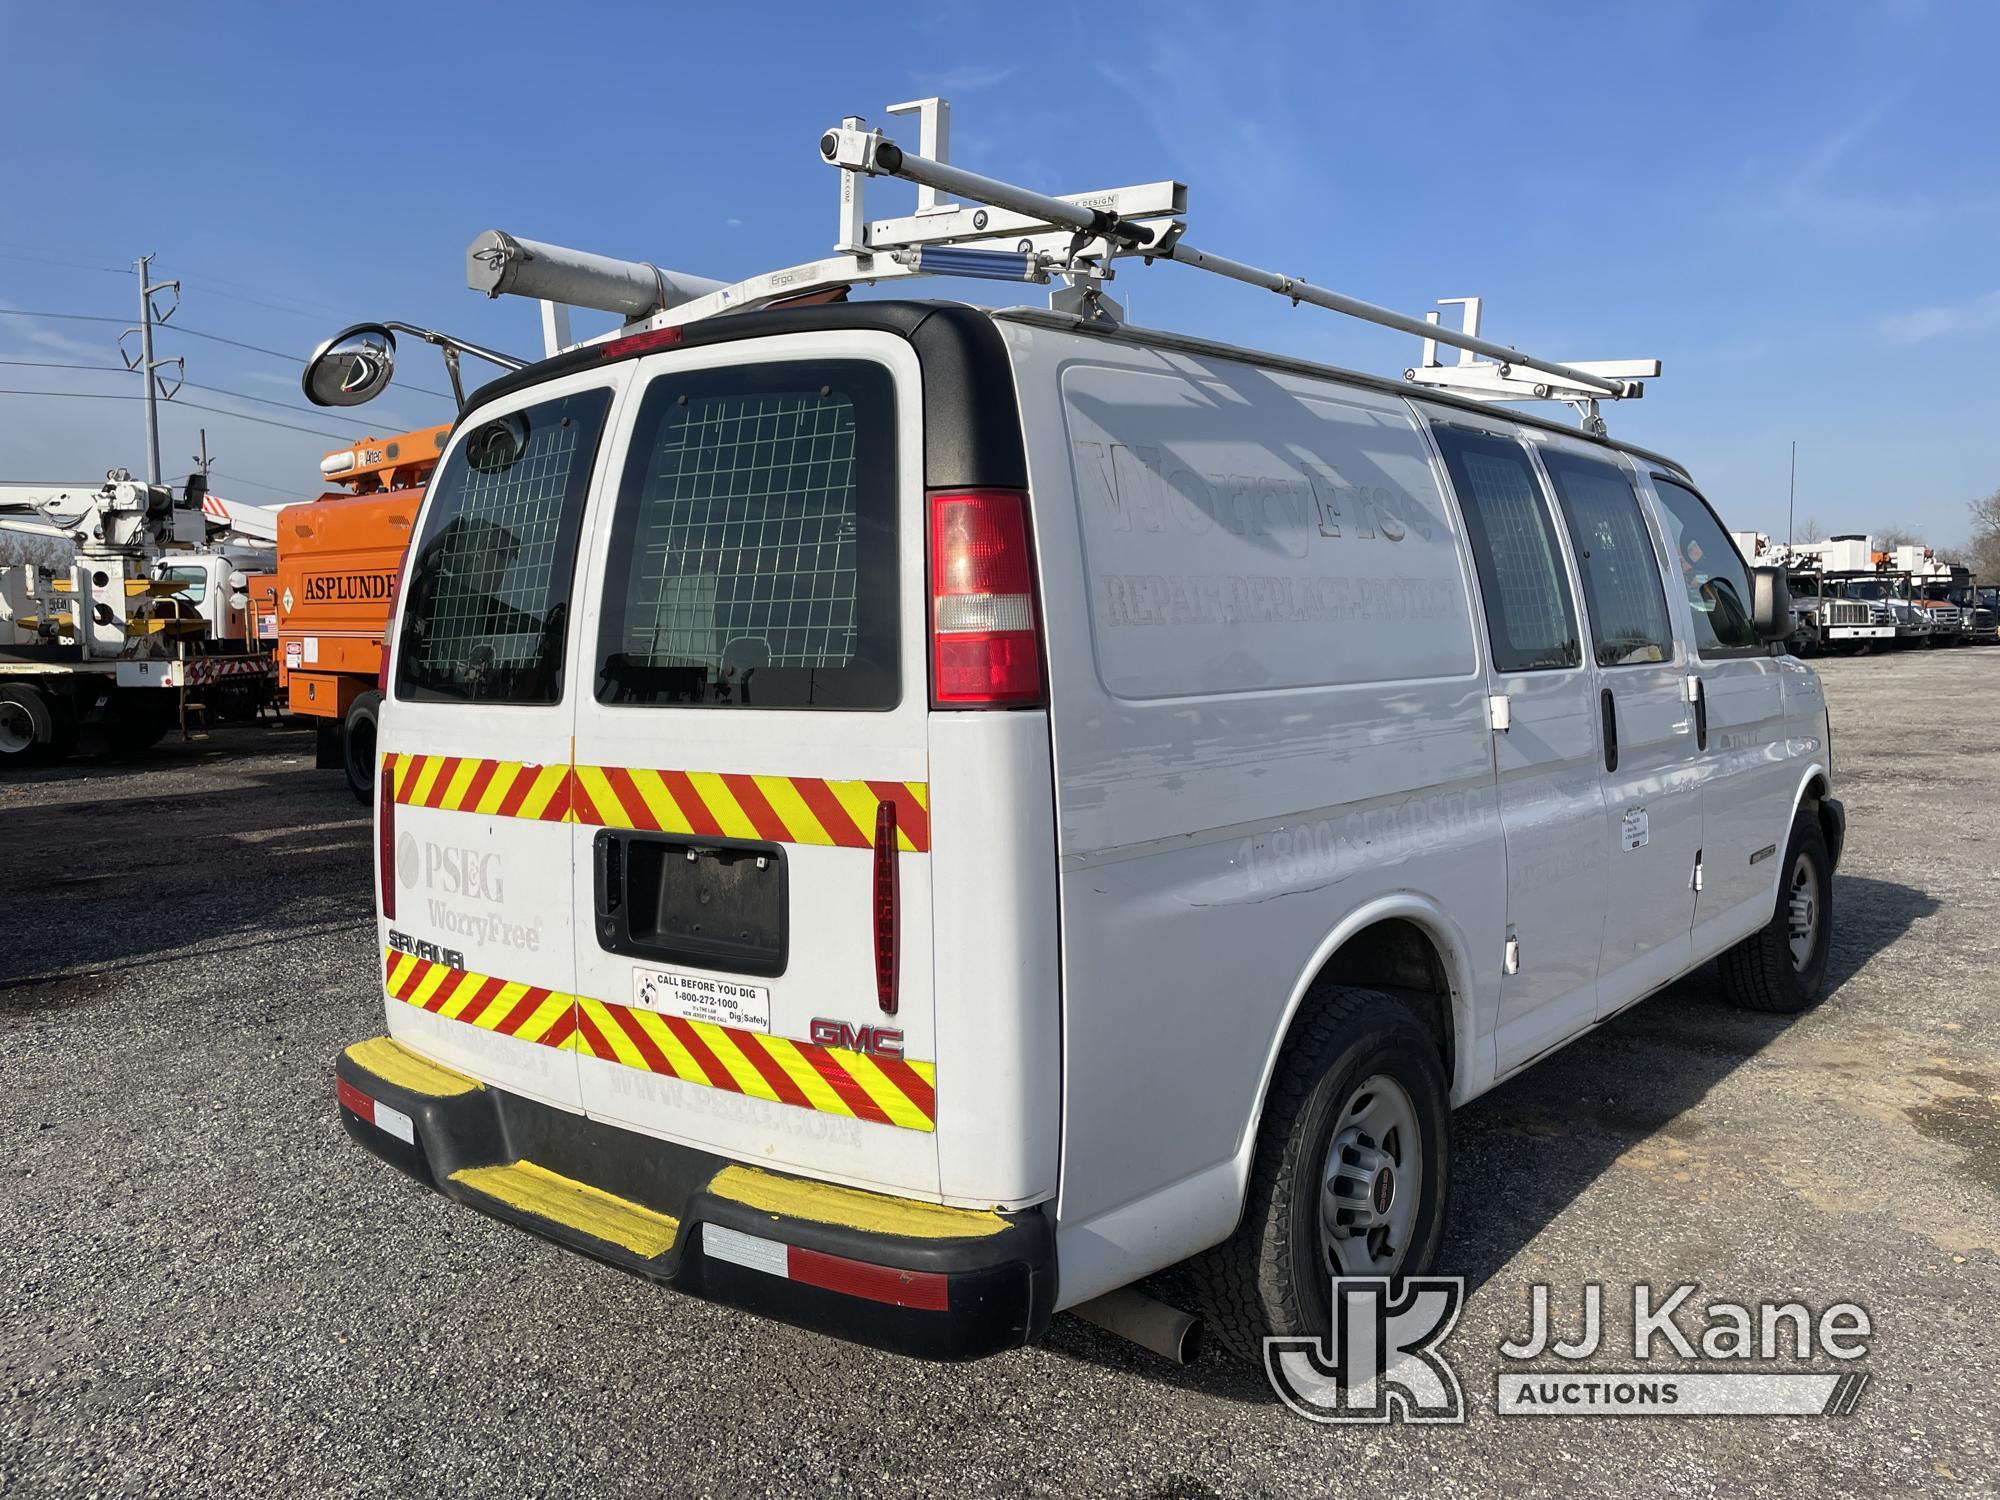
{"x": 875, "y": 155}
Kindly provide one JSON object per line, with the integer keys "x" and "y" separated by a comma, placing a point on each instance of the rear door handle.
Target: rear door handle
{"x": 1610, "y": 706}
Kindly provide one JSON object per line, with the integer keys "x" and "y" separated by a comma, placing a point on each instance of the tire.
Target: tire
{"x": 27, "y": 725}
{"x": 1272, "y": 1275}
{"x": 357, "y": 744}
{"x": 136, "y": 733}
{"x": 1764, "y": 971}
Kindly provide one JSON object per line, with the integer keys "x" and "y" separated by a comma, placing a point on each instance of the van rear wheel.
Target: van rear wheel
{"x": 1781, "y": 968}
{"x": 1350, "y": 1176}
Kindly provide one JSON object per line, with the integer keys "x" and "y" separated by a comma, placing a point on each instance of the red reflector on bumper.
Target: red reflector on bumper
{"x": 352, "y": 1098}
{"x": 836, "y": 1273}
{"x": 383, "y": 1117}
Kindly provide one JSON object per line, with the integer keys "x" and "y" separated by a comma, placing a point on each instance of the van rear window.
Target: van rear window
{"x": 753, "y": 552}
{"x": 489, "y": 588}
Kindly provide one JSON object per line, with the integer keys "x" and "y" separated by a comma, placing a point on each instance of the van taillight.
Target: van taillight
{"x": 385, "y": 838}
{"x": 388, "y": 635}
{"x": 985, "y": 648}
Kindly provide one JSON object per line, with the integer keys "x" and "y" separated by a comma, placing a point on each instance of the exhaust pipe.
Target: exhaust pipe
{"x": 1151, "y": 1324}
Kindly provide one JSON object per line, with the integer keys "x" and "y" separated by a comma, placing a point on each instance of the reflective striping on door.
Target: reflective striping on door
{"x": 830, "y": 1080}
{"x": 495, "y": 788}
{"x": 775, "y": 809}
{"x": 526, "y": 1012}
{"x": 706, "y": 804}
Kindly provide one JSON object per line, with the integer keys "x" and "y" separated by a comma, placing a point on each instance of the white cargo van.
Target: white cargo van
{"x": 906, "y": 818}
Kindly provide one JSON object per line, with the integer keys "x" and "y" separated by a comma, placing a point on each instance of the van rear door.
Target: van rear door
{"x": 750, "y": 863}
{"x": 472, "y": 797}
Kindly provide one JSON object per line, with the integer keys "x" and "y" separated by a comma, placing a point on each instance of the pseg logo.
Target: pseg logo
{"x": 451, "y": 869}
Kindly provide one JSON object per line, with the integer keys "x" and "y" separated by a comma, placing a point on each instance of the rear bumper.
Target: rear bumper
{"x": 871, "y": 1268}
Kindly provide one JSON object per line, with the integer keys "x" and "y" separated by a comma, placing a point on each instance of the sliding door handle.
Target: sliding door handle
{"x": 1610, "y": 707}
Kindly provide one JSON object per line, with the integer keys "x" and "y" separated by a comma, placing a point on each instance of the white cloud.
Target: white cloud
{"x": 1979, "y": 315}
{"x": 969, "y": 78}
{"x": 1829, "y": 191}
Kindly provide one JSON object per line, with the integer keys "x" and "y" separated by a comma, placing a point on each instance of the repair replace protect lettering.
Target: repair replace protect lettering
{"x": 1138, "y": 490}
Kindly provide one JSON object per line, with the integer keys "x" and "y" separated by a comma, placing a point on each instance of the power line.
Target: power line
{"x": 221, "y": 411}
{"x": 274, "y": 353}
{"x": 52, "y": 364}
{"x": 216, "y": 338}
{"x": 197, "y": 333}
{"x": 296, "y": 310}
{"x": 193, "y": 385}
{"x": 40, "y": 259}
{"x": 255, "y": 484}
{"x": 22, "y": 312}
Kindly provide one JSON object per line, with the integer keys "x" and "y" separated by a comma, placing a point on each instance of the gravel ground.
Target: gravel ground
{"x": 211, "y": 1291}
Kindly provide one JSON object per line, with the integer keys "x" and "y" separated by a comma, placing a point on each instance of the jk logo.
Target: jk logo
{"x": 1381, "y": 1358}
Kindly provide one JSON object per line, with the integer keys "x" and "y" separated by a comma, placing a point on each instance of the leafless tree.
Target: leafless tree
{"x": 1982, "y": 549}
{"x": 1808, "y": 530}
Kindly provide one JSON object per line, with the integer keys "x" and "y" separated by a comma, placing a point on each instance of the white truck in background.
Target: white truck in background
{"x": 143, "y": 627}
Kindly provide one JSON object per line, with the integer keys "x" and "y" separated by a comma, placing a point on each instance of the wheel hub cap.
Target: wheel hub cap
{"x": 1803, "y": 913}
{"x": 1372, "y": 1182}
{"x": 17, "y": 730}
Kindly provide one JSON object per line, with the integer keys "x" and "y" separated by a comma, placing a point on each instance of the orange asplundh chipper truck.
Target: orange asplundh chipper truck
{"x": 339, "y": 559}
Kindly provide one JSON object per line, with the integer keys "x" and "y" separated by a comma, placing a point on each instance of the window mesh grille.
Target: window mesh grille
{"x": 498, "y": 568}
{"x": 747, "y": 536}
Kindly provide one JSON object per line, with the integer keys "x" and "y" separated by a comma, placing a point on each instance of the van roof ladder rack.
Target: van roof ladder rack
{"x": 1010, "y": 233}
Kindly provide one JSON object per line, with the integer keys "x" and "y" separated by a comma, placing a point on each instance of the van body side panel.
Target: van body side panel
{"x": 1267, "y": 712}
{"x": 997, "y": 958}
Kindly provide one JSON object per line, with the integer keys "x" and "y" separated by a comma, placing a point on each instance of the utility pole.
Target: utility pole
{"x": 1792, "y": 496}
{"x": 146, "y": 365}
{"x": 202, "y": 457}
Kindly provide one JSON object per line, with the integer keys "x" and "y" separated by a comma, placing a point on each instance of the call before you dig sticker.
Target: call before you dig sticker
{"x": 724, "y": 1002}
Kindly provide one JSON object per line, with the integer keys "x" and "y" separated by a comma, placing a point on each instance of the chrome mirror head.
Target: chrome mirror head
{"x": 351, "y": 367}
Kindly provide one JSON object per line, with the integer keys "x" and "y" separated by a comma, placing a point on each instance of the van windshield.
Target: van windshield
{"x": 753, "y": 550}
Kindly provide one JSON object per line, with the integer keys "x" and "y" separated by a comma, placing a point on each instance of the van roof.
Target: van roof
{"x": 949, "y": 331}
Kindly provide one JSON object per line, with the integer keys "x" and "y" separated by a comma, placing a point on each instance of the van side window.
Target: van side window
{"x": 1614, "y": 553}
{"x": 753, "y": 551}
{"x": 1529, "y": 613}
{"x": 1718, "y": 584}
{"x": 488, "y": 607}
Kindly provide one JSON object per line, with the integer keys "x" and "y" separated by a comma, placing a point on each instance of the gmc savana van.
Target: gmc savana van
{"x": 904, "y": 818}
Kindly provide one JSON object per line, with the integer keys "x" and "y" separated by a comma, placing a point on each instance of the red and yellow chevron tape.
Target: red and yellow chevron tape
{"x": 831, "y": 1080}
{"x": 498, "y": 788}
{"x": 710, "y": 804}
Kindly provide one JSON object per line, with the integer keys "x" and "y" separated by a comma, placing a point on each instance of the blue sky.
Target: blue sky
{"x": 1796, "y": 207}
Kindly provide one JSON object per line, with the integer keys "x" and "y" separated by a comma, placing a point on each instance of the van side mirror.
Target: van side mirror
{"x": 1771, "y": 604}
{"x": 351, "y": 367}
